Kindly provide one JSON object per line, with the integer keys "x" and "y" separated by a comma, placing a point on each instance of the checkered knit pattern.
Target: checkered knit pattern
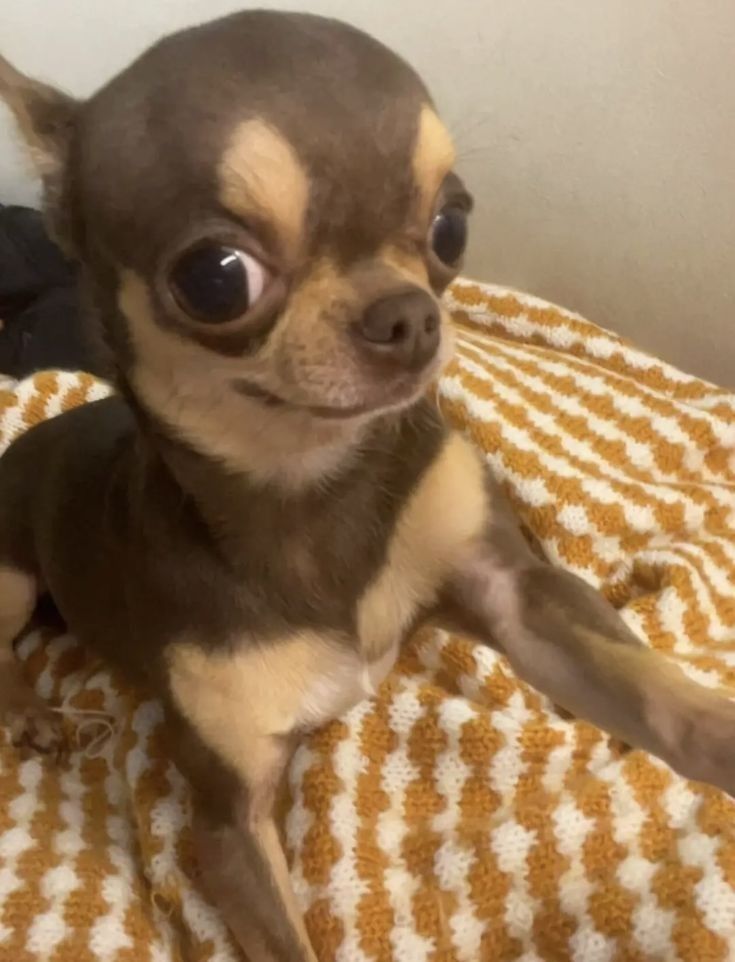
{"x": 456, "y": 817}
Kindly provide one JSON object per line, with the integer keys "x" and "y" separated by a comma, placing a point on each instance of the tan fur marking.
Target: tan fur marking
{"x": 260, "y": 172}
{"x": 233, "y": 882}
{"x": 239, "y": 700}
{"x": 433, "y": 157}
{"x": 29, "y": 719}
{"x": 314, "y": 354}
{"x": 189, "y": 389}
{"x": 449, "y": 509}
{"x": 409, "y": 266}
{"x": 17, "y": 600}
{"x": 325, "y": 287}
{"x": 267, "y": 836}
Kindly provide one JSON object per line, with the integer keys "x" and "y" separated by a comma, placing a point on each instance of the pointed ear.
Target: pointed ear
{"x": 45, "y": 118}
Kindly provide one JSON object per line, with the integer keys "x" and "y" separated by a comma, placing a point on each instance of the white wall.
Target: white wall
{"x": 599, "y": 139}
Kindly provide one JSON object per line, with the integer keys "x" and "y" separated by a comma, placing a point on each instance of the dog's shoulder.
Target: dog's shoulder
{"x": 65, "y": 453}
{"x": 446, "y": 508}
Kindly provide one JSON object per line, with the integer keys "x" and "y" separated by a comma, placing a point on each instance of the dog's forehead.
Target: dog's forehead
{"x": 291, "y": 118}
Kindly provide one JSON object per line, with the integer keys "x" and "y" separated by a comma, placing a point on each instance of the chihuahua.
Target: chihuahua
{"x": 266, "y": 212}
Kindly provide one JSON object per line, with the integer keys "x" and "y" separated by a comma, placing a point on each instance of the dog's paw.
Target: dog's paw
{"x": 36, "y": 728}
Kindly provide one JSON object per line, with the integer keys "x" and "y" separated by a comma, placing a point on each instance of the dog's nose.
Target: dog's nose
{"x": 402, "y": 328}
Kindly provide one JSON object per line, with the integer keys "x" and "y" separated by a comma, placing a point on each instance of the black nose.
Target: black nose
{"x": 401, "y": 328}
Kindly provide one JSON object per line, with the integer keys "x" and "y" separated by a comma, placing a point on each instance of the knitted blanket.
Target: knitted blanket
{"x": 456, "y": 817}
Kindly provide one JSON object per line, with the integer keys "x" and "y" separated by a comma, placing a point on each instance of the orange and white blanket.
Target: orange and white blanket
{"x": 455, "y": 817}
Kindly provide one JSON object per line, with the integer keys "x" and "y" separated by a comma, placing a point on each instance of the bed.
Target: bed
{"x": 457, "y": 816}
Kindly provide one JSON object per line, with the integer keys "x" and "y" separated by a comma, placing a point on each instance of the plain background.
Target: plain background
{"x": 598, "y": 138}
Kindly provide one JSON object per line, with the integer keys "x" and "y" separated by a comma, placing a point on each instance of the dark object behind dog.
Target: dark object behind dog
{"x": 40, "y": 307}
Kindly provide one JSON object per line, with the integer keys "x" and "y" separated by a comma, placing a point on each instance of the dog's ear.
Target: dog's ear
{"x": 46, "y": 118}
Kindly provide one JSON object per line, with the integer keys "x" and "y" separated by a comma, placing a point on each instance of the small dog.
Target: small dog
{"x": 266, "y": 213}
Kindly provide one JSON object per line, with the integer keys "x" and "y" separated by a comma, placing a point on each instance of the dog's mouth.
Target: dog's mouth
{"x": 326, "y": 411}
{"x": 389, "y": 394}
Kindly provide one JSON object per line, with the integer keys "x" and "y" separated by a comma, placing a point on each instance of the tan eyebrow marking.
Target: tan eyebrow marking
{"x": 433, "y": 157}
{"x": 260, "y": 173}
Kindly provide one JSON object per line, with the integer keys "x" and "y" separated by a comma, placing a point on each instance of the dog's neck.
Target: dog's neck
{"x": 376, "y": 468}
{"x": 298, "y": 460}
{"x": 290, "y": 452}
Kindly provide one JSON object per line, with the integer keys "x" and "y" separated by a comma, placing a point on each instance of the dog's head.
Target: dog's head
{"x": 266, "y": 211}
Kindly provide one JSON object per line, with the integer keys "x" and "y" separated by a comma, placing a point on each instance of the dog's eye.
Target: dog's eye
{"x": 215, "y": 284}
{"x": 449, "y": 235}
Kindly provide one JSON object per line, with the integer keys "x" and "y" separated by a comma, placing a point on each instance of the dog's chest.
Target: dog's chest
{"x": 308, "y": 675}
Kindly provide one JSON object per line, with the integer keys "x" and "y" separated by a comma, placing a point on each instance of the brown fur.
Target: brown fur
{"x": 46, "y": 119}
{"x": 43, "y": 114}
{"x": 260, "y": 517}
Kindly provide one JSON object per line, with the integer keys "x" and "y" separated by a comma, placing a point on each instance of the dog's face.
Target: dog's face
{"x": 267, "y": 211}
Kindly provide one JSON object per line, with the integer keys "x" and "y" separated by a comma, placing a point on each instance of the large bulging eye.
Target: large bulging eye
{"x": 215, "y": 284}
{"x": 449, "y": 235}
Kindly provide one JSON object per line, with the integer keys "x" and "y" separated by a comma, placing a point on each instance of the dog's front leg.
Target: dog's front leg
{"x": 565, "y": 639}
{"x": 241, "y": 861}
{"x": 245, "y": 871}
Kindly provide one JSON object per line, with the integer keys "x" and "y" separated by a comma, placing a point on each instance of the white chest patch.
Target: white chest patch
{"x": 237, "y": 699}
{"x": 347, "y": 680}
